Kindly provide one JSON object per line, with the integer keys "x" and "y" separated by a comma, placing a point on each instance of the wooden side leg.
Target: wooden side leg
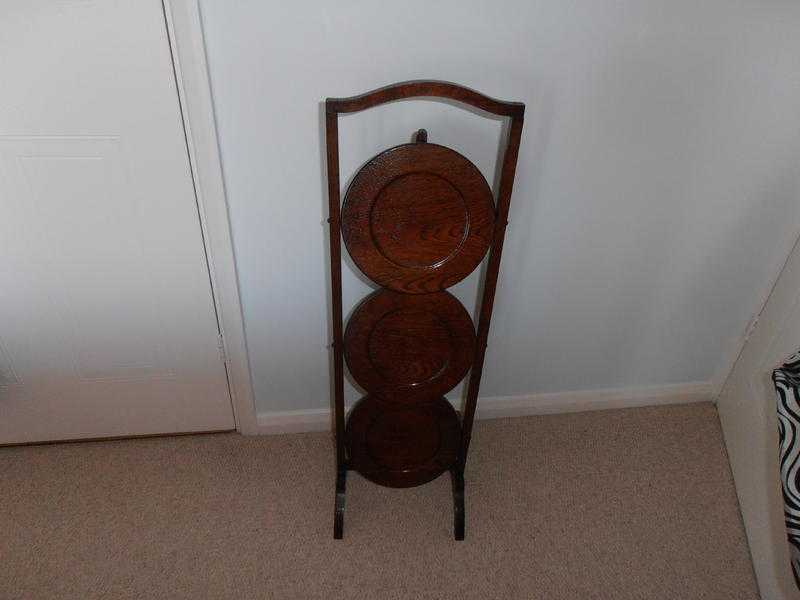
{"x": 457, "y": 475}
{"x": 341, "y": 488}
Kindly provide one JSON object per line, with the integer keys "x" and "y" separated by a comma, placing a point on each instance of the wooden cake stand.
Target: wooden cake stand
{"x": 417, "y": 219}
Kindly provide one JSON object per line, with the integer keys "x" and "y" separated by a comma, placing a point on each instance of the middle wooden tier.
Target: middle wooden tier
{"x": 409, "y": 347}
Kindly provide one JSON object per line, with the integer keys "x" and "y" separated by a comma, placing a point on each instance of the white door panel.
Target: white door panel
{"x": 107, "y": 322}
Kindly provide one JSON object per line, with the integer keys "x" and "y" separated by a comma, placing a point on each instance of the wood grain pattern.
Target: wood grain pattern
{"x": 425, "y": 89}
{"x": 409, "y": 348}
{"x": 334, "y": 212}
{"x": 403, "y": 446}
{"x": 418, "y": 218}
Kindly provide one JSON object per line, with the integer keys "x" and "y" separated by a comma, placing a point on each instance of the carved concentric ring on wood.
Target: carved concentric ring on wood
{"x": 409, "y": 346}
{"x": 402, "y": 446}
{"x": 418, "y": 218}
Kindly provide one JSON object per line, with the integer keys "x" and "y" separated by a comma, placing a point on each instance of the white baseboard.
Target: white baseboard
{"x": 294, "y": 421}
{"x": 587, "y": 400}
{"x": 319, "y": 419}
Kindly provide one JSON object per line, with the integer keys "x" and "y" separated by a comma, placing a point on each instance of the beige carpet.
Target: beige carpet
{"x": 623, "y": 504}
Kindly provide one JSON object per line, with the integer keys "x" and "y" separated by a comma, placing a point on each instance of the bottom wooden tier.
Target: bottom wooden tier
{"x": 403, "y": 445}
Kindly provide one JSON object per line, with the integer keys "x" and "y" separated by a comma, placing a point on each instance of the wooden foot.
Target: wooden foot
{"x": 338, "y": 517}
{"x": 457, "y": 476}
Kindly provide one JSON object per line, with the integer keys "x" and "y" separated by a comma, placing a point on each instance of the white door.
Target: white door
{"x": 107, "y": 321}
{"x": 747, "y": 410}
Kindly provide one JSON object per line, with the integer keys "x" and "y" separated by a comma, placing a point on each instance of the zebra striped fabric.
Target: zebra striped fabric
{"x": 787, "y": 385}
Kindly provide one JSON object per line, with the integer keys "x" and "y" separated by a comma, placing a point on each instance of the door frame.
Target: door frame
{"x": 187, "y": 46}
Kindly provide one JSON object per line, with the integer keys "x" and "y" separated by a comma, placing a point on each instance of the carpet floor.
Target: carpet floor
{"x": 635, "y": 503}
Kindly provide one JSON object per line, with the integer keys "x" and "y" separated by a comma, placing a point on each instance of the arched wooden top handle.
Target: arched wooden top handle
{"x": 424, "y": 89}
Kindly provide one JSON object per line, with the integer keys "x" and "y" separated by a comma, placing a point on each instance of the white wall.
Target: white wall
{"x": 656, "y": 193}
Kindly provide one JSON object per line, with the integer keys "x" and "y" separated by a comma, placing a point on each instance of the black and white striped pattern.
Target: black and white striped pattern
{"x": 787, "y": 385}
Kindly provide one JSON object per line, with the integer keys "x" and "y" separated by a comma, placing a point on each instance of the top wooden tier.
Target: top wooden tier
{"x": 418, "y": 218}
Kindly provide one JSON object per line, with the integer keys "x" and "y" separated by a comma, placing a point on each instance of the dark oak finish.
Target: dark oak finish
{"x": 425, "y": 89}
{"x": 403, "y": 445}
{"x": 332, "y": 144}
{"x": 457, "y": 479}
{"x": 417, "y": 218}
{"x": 341, "y": 494}
{"x": 409, "y": 348}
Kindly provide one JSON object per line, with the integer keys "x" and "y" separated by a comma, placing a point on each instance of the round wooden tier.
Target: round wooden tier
{"x": 409, "y": 347}
{"x": 418, "y": 218}
{"x": 402, "y": 446}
